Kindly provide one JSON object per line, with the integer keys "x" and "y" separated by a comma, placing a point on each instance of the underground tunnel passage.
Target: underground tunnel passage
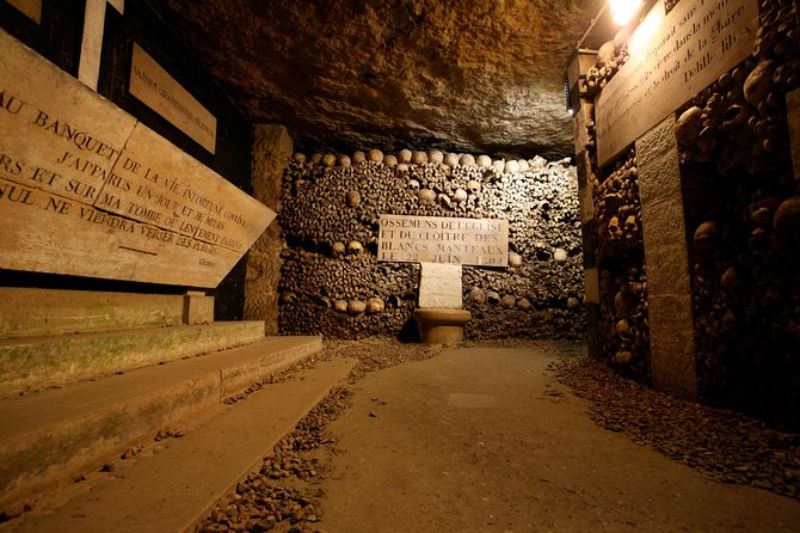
{"x": 399, "y": 265}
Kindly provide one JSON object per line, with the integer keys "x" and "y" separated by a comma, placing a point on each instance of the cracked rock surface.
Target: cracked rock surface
{"x": 464, "y": 75}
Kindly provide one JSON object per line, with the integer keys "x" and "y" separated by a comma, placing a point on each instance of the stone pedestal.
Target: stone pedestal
{"x": 197, "y": 308}
{"x": 441, "y": 326}
{"x": 440, "y": 317}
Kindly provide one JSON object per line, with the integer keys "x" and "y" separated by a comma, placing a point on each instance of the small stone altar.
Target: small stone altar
{"x": 441, "y": 246}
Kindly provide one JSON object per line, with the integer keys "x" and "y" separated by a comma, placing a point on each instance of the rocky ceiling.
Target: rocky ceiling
{"x": 480, "y": 76}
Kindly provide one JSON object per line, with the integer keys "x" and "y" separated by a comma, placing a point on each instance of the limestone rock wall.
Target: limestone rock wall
{"x": 331, "y": 282}
{"x": 472, "y": 75}
{"x": 272, "y": 148}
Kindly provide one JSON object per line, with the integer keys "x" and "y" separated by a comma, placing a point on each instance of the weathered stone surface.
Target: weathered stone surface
{"x": 56, "y": 312}
{"x": 470, "y": 76}
{"x": 440, "y": 286}
{"x": 658, "y": 163}
{"x": 272, "y": 149}
{"x": 90, "y": 191}
{"x": 672, "y": 349}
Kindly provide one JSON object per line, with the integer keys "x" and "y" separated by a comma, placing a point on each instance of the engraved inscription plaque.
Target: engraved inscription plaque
{"x": 87, "y": 190}
{"x": 154, "y": 87}
{"x": 673, "y": 57}
{"x": 458, "y": 241}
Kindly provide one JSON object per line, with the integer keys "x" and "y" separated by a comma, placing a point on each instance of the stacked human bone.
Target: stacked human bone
{"x": 624, "y": 333}
{"x": 743, "y": 213}
{"x": 331, "y": 282}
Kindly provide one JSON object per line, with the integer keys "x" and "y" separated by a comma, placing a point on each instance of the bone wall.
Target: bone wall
{"x": 743, "y": 219}
{"x": 331, "y": 282}
{"x": 741, "y": 205}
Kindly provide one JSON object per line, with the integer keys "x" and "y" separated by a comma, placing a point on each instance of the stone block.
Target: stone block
{"x": 31, "y": 364}
{"x": 667, "y": 269}
{"x": 672, "y": 345}
{"x": 442, "y": 326}
{"x": 587, "y": 203}
{"x": 592, "y": 285}
{"x": 29, "y": 312}
{"x": 440, "y": 286}
{"x": 658, "y": 163}
{"x": 579, "y": 130}
{"x": 663, "y": 223}
{"x": 197, "y": 308}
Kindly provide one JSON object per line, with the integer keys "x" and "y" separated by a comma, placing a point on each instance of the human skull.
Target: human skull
{"x": 614, "y": 229}
{"x": 511, "y": 166}
{"x": 436, "y": 156}
{"x": 359, "y": 157}
{"x": 413, "y": 185}
{"x": 631, "y": 226}
{"x": 376, "y": 156}
{"x": 405, "y": 155}
{"x": 352, "y": 198}
{"x": 419, "y": 158}
{"x": 484, "y": 161}
{"x": 354, "y": 247}
{"x": 466, "y": 160}
{"x": 375, "y": 305}
{"x": 338, "y": 248}
{"x": 474, "y": 186}
{"x": 426, "y": 196}
{"x": 706, "y": 235}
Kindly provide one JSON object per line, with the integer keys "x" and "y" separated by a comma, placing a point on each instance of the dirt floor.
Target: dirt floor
{"x": 485, "y": 439}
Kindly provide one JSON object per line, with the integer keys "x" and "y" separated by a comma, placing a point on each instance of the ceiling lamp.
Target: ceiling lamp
{"x": 622, "y": 11}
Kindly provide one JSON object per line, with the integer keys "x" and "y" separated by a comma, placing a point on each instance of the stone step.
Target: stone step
{"x": 34, "y": 363}
{"x": 62, "y": 311}
{"x": 54, "y": 435}
{"x": 176, "y": 487}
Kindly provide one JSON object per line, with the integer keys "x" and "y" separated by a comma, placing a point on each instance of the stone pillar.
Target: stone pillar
{"x": 582, "y": 116}
{"x": 667, "y": 262}
{"x": 272, "y": 148}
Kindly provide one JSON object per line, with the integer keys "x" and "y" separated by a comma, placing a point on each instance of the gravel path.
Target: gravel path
{"x": 372, "y": 452}
{"x": 725, "y": 445}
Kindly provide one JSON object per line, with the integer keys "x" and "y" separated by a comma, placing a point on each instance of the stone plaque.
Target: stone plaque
{"x": 673, "y": 57}
{"x": 30, "y": 8}
{"x": 159, "y": 91}
{"x": 440, "y": 286}
{"x": 458, "y": 241}
{"x": 87, "y": 190}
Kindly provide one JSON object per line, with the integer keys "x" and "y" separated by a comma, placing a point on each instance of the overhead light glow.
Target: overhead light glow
{"x": 622, "y": 11}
